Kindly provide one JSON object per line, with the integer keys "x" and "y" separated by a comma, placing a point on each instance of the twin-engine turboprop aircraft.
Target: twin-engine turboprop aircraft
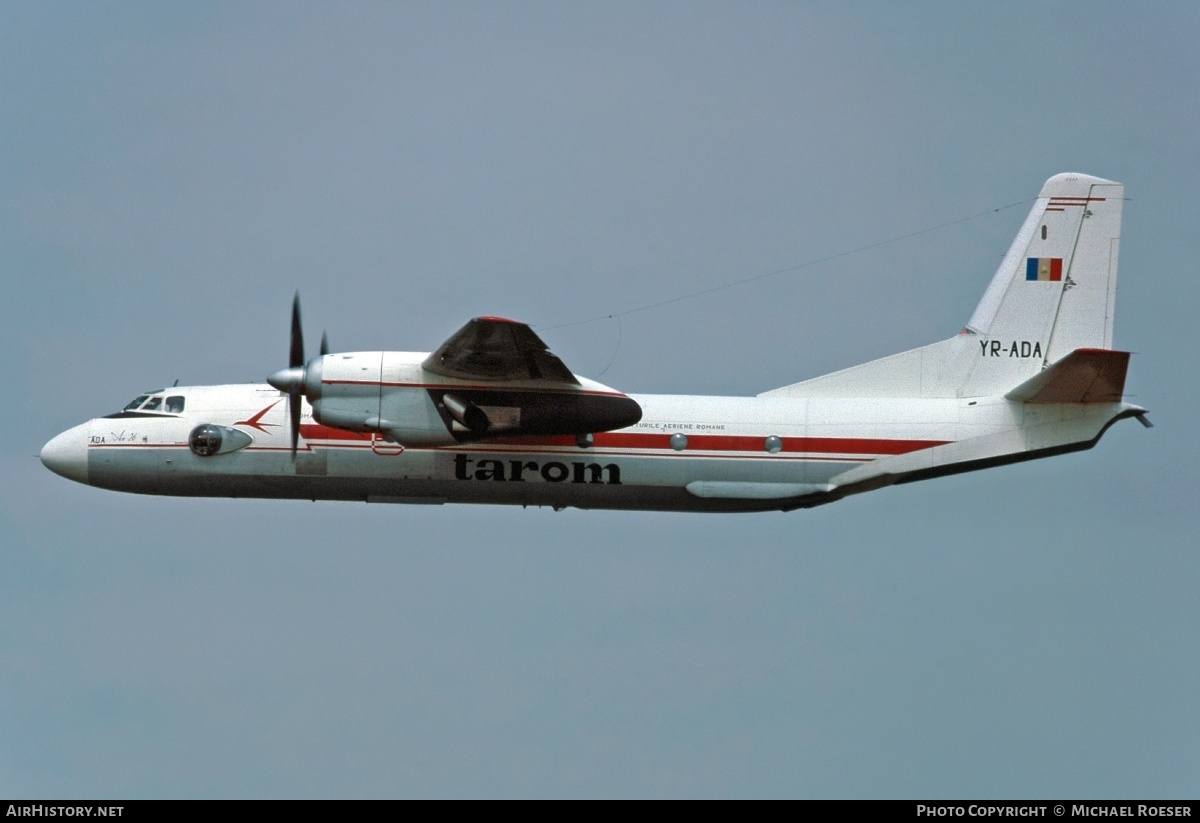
{"x": 493, "y": 417}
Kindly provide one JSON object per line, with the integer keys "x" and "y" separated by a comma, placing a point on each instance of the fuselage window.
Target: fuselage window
{"x": 152, "y": 404}
{"x": 137, "y": 401}
{"x": 175, "y": 404}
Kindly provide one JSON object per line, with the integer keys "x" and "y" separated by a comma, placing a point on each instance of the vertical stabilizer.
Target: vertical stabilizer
{"x": 1053, "y": 294}
{"x": 1055, "y": 290}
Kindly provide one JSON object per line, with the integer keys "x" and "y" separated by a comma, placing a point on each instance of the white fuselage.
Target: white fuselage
{"x": 687, "y": 453}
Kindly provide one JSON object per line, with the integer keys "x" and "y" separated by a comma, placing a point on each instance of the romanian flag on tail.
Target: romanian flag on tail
{"x": 1043, "y": 268}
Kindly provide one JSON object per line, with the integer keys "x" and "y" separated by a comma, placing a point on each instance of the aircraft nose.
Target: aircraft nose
{"x": 66, "y": 454}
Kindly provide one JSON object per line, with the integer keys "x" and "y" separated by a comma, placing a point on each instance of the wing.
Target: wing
{"x": 496, "y": 349}
{"x": 520, "y": 388}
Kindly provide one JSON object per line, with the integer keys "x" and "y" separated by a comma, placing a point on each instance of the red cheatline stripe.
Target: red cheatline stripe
{"x": 484, "y": 448}
{"x": 313, "y": 432}
{"x": 738, "y": 443}
{"x": 696, "y": 442}
{"x": 805, "y": 445}
{"x": 137, "y": 445}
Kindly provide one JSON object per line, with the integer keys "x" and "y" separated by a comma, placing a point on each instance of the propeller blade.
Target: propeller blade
{"x": 293, "y": 381}
{"x": 296, "y": 354}
{"x": 295, "y": 361}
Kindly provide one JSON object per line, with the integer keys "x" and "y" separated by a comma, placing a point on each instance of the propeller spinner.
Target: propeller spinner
{"x": 295, "y": 379}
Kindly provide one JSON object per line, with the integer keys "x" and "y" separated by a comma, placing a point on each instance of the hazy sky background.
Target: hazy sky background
{"x": 170, "y": 173}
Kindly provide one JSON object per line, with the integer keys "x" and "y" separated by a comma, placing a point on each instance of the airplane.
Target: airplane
{"x": 492, "y": 416}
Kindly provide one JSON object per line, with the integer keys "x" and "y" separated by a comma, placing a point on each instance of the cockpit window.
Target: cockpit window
{"x": 137, "y": 401}
{"x": 174, "y": 404}
{"x": 152, "y": 404}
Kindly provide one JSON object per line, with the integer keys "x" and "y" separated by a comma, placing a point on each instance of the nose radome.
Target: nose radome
{"x": 66, "y": 454}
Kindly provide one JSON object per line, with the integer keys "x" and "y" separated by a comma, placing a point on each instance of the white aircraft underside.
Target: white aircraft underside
{"x": 493, "y": 417}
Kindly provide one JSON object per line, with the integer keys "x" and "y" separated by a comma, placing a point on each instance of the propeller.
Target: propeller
{"x": 292, "y": 379}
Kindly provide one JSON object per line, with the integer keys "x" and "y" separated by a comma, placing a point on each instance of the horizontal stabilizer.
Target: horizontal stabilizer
{"x": 1083, "y": 376}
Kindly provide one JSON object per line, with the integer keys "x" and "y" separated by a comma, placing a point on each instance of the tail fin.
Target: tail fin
{"x": 1056, "y": 288}
{"x": 1053, "y": 293}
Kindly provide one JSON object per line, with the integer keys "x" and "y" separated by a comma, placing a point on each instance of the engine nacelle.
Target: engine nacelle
{"x": 408, "y": 403}
{"x": 384, "y": 392}
{"x": 391, "y": 393}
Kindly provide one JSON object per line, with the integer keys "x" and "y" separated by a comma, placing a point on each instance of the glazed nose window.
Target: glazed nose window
{"x": 205, "y": 440}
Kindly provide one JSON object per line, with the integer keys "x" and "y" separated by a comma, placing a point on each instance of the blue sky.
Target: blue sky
{"x": 173, "y": 172}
